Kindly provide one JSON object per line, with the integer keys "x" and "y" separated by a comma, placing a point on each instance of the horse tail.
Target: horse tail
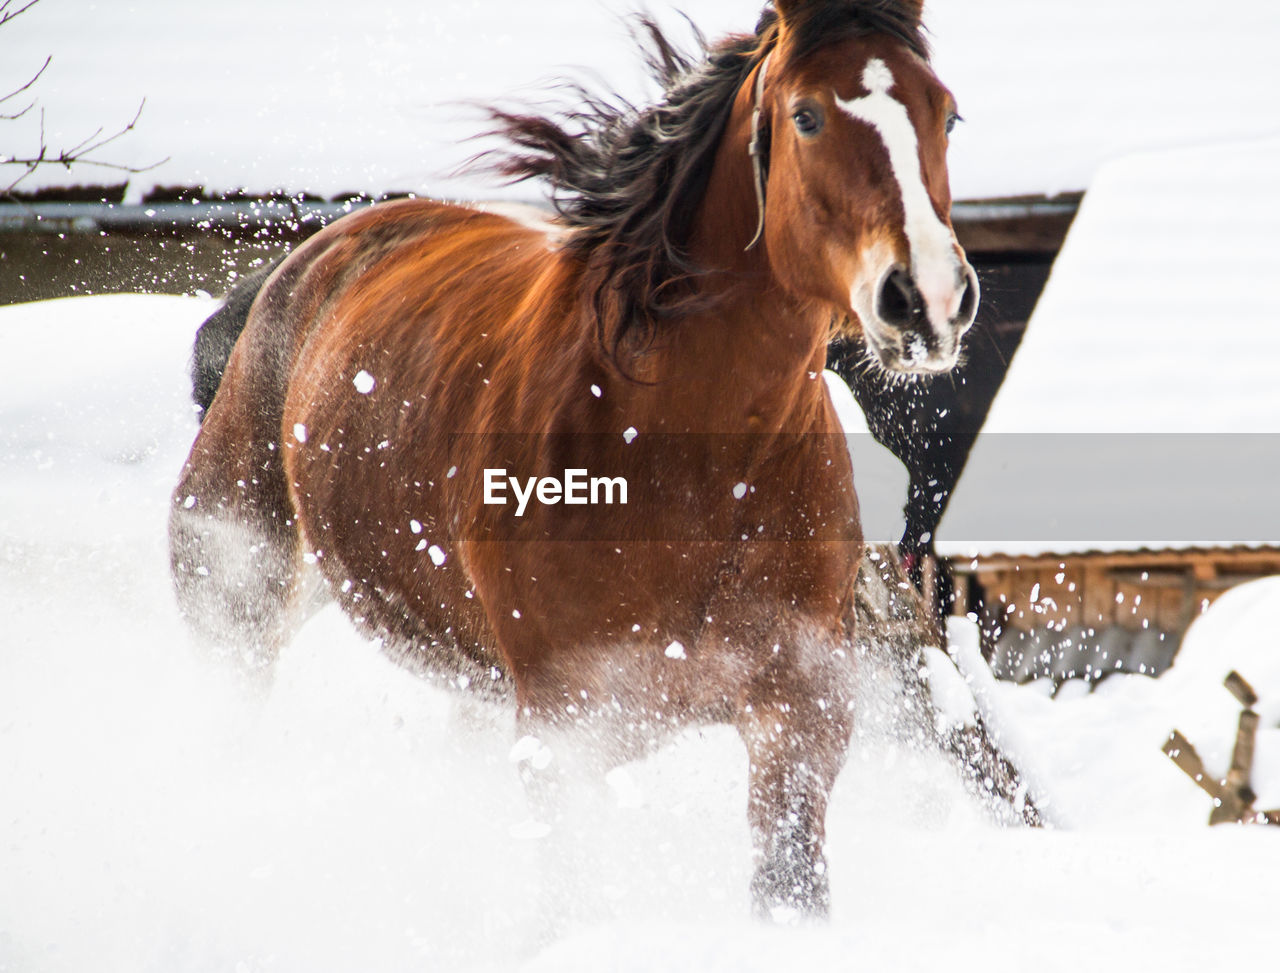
{"x": 218, "y": 335}
{"x": 234, "y": 548}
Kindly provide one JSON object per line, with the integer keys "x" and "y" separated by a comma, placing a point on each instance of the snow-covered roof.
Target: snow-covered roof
{"x": 1143, "y": 404}
{"x": 334, "y": 96}
{"x": 1051, "y": 91}
{"x": 1160, "y": 315}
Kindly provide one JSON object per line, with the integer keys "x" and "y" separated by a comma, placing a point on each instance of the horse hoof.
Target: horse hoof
{"x": 785, "y": 894}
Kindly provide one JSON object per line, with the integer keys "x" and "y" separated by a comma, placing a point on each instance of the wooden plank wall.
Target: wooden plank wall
{"x": 1157, "y": 589}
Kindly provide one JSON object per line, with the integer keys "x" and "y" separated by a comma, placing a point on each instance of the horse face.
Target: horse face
{"x": 859, "y": 197}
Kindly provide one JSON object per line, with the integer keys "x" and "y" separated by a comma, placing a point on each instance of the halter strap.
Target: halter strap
{"x": 757, "y": 151}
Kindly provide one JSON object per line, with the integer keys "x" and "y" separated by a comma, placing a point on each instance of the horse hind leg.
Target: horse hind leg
{"x": 235, "y": 558}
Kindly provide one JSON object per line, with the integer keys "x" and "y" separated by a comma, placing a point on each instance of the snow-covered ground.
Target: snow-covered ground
{"x": 152, "y": 819}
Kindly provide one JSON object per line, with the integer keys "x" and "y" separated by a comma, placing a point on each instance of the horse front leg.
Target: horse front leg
{"x": 796, "y": 725}
{"x": 562, "y": 765}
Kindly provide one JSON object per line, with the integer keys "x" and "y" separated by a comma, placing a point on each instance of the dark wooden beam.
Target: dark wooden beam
{"x": 1020, "y": 225}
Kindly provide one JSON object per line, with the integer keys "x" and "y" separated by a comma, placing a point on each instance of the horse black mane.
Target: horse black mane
{"x": 626, "y": 181}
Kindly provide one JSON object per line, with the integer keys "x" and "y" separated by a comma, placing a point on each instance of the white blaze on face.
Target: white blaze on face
{"x": 934, "y": 264}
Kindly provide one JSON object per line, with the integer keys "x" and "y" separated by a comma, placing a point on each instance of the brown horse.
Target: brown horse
{"x": 411, "y": 372}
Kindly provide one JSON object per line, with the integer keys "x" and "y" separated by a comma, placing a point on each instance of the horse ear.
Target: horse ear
{"x": 788, "y": 8}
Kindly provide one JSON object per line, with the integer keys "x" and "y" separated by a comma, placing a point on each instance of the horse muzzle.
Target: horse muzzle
{"x": 918, "y": 320}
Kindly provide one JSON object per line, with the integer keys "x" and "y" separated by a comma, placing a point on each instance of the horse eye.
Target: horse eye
{"x": 807, "y": 122}
{"x": 951, "y": 121}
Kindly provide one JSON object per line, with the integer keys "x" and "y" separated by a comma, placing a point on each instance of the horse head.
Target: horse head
{"x": 855, "y": 195}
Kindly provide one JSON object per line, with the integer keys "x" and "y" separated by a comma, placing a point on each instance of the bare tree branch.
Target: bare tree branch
{"x": 7, "y": 15}
{"x": 79, "y": 147}
{"x": 14, "y": 94}
{"x": 79, "y": 154}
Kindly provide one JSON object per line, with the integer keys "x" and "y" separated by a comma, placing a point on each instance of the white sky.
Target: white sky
{"x": 333, "y": 96}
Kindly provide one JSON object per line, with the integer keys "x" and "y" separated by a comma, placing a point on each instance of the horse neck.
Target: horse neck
{"x": 757, "y": 350}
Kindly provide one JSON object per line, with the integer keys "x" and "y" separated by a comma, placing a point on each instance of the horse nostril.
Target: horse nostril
{"x": 969, "y": 300}
{"x": 899, "y": 303}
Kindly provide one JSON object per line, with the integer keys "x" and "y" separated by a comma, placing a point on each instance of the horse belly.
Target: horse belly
{"x": 371, "y": 520}
{"x": 370, "y": 394}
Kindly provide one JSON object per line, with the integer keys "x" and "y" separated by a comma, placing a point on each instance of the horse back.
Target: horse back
{"x": 369, "y": 271}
